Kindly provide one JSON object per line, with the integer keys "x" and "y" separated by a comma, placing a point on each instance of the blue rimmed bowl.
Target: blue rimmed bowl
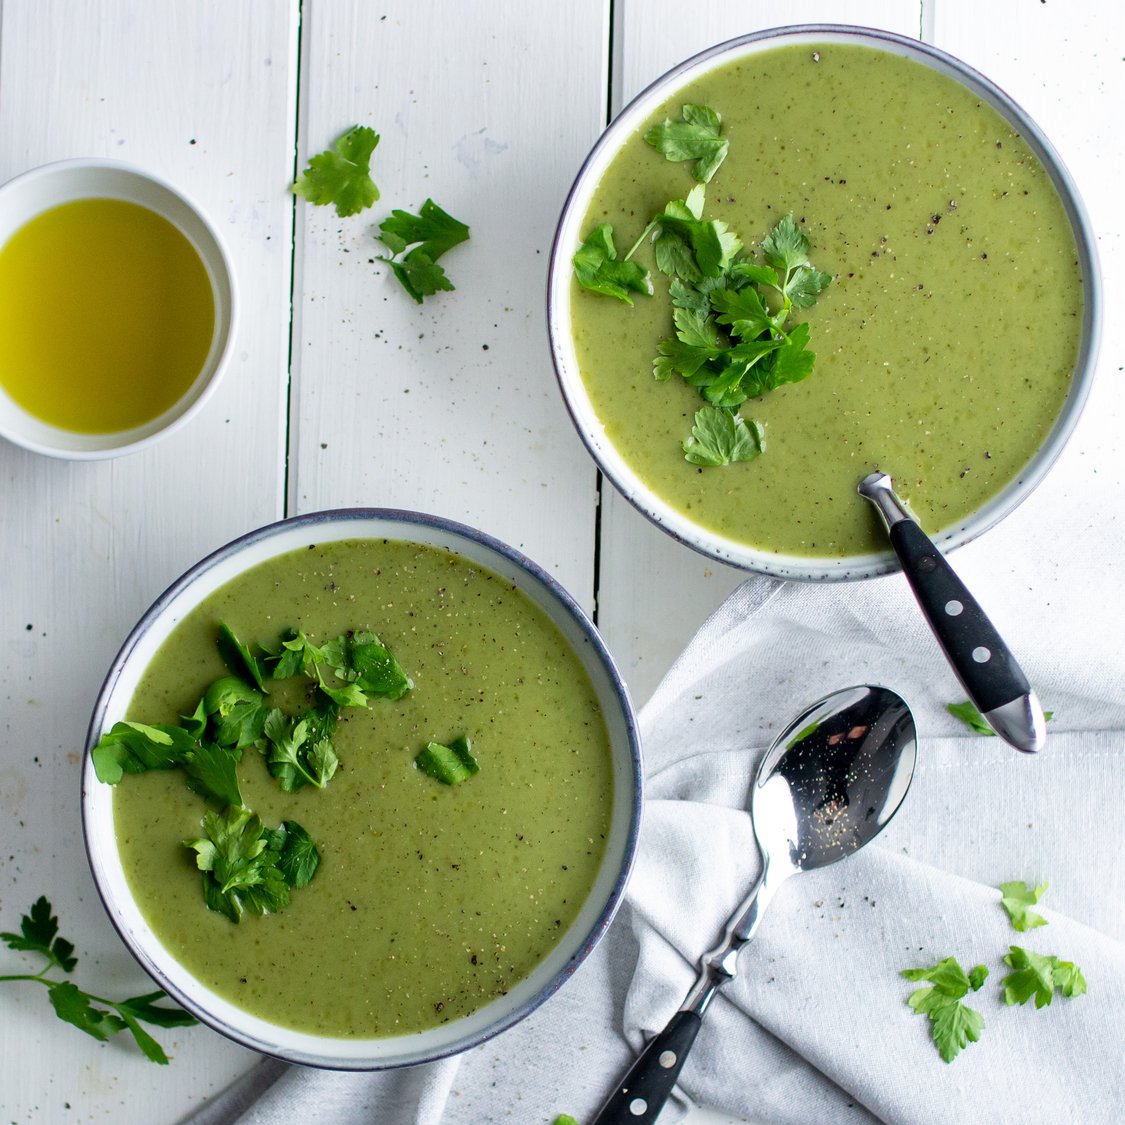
{"x": 578, "y": 939}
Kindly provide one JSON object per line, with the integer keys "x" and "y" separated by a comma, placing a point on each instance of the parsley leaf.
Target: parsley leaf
{"x": 295, "y": 655}
{"x": 212, "y": 772}
{"x": 1017, "y": 896}
{"x": 293, "y": 757}
{"x": 719, "y": 437}
{"x": 241, "y": 863}
{"x": 974, "y": 720}
{"x": 136, "y": 747}
{"x": 1037, "y": 975}
{"x": 596, "y": 268}
{"x": 434, "y": 232}
{"x": 450, "y": 764}
{"x": 341, "y": 175}
{"x": 238, "y": 657}
{"x": 953, "y": 1025}
{"x": 94, "y": 1015}
{"x": 236, "y": 712}
{"x": 297, "y": 855}
{"x": 361, "y": 659}
{"x": 695, "y": 137}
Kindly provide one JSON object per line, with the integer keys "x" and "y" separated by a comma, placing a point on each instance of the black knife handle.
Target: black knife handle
{"x": 641, "y": 1094}
{"x": 983, "y": 663}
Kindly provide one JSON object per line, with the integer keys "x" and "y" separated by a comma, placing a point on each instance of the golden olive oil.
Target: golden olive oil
{"x": 106, "y": 315}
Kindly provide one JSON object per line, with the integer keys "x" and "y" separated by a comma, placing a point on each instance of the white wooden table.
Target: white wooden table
{"x": 342, "y": 391}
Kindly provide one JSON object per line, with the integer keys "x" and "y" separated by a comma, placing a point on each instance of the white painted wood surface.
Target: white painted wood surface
{"x": 489, "y": 112}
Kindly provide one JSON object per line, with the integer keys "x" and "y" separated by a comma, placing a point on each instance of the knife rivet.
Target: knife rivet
{"x": 638, "y": 1106}
{"x": 953, "y": 608}
{"x": 667, "y": 1059}
{"x": 981, "y": 655}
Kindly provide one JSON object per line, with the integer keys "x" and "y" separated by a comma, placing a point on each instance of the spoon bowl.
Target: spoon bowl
{"x": 829, "y": 785}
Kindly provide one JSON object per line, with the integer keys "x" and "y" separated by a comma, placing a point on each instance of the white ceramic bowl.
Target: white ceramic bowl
{"x": 365, "y": 1054}
{"x": 39, "y": 190}
{"x": 570, "y": 234}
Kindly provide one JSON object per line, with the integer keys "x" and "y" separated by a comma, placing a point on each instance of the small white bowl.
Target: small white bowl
{"x": 569, "y": 237}
{"x": 579, "y": 939}
{"x": 29, "y": 195}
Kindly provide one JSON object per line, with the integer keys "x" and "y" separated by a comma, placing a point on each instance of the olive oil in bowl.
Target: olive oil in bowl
{"x": 107, "y": 315}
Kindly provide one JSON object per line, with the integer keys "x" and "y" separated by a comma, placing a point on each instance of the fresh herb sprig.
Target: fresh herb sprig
{"x": 733, "y": 339}
{"x": 341, "y": 175}
{"x": 953, "y": 1025}
{"x": 95, "y": 1015}
{"x": 430, "y": 233}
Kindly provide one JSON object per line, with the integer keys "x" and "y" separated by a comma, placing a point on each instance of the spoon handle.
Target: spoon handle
{"x": 982, "y": 661}
{"x": 641, "y": 1094}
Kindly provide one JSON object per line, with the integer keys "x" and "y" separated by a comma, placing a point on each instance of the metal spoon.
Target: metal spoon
{"x": 828, "y": 785}
{"x": 983, "y": 663}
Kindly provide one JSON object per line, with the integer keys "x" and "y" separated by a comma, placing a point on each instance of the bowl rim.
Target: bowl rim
{"x": 625, "y": 750}
{"x": 52, "y": 441}
{"x": 568, "y": 236}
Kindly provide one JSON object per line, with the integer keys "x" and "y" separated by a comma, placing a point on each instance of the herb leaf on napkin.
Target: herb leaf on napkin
{"x": 953, "y": 1025}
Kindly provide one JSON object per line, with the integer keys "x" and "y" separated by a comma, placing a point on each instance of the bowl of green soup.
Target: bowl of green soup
{"x": 363, "y": 789}
{"x": 812, "y": 253}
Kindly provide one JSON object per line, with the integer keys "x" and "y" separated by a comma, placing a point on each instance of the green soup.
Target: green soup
{"x": 430, "y": 900}
{"x": 945, "y": 344}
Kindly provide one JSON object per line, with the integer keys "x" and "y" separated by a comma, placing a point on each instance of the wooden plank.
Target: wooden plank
{"x": 647, "y": 623}
{"x": 203, "y": 95}
{"x": 451, "y": 406}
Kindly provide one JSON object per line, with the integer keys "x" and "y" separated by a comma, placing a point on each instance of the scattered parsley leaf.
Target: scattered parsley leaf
{"x": 695, "y": 137}
{"x": 719, "y": 437}
{"x": 341, "y": 175}
{"x": 238, "y": 657}
{"x": 974, "y": 720}
{"x": 564, "y": 1119}
{"x": 1038, "y": 975}
{"x": 294, "y": 656}
{"x": 434, "y": 232}
{"x": 39, "y": 934}
{"x": 953, "y": 1025}
{"x": 596, "y": 268}
{"x": 786, "y": 248}
{"x": 1016, "y": 898}
{"x": 94, "y": 1015}
{"x": 450, "y": 764}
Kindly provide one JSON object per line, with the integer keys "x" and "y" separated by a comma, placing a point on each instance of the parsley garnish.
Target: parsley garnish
{"x": 597, "y": 268}
{"x": 294, "y": 756}
{"x": 431, "y": 233}
{"x": 732, "y": 340}
{"x": 450, "y": 764}
{"x": 95, "y": 1015}
{"x": 695, "y": 137}
{"x": 1039, "y": 976}
{"x": 342, "y": 174}
{"x": 719, "y": 437}
{"x": 1016, "y": 897}
{"x": 953, "y": 1025}
{"x": 247, "y": 866}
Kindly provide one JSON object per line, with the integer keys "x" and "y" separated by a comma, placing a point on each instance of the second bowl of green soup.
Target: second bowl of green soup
{"x": 363, "y": 789}
{"x": 809, "y": 254}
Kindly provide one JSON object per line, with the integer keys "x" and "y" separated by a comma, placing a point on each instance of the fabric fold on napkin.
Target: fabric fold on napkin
{"x": 815, "y": 1027}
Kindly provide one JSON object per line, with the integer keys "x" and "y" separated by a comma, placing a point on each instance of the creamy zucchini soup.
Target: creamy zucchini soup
{"x": 944, "y": 343}
{"x": 459, "y": 811}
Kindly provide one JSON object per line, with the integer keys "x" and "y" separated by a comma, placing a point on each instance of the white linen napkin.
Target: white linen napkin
{"x": 815, "y": 1028}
